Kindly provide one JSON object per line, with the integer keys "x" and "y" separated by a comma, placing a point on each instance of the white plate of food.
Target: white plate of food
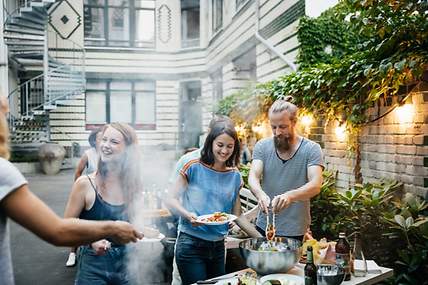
{"x": 282, "y": 279}
{"x": 215, "y": 219}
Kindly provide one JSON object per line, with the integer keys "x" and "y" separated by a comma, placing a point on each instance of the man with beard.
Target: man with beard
{"x": 286, "y": 173}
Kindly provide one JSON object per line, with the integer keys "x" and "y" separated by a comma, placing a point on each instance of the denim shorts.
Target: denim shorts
{"x": 102, "y": 269}
{"x": 199, "y": 259}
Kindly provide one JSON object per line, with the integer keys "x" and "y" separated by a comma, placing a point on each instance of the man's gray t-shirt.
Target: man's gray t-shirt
{"x": 280, "y": 176}
{"x": 10, "y": 180}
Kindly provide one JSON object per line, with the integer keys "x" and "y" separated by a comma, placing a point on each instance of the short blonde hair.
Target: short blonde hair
{"x": 4, "y": 137}
{"x": 285, "y": 104}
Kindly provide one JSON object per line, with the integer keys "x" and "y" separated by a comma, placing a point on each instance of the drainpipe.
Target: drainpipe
{"x": 266, "y": 43}
{"x": 46, "y": 96}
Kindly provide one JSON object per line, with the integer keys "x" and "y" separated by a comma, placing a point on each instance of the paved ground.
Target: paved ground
{"x": 36, "y": 262}
{"x": 39, "y": 263}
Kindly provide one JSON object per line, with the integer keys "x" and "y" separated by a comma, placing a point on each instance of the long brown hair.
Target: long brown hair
{"x": 129, "y": 168}
{"x": 207, "y": 155}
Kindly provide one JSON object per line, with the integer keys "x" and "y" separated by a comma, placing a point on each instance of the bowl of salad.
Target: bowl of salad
{"x": 264, "y": 256}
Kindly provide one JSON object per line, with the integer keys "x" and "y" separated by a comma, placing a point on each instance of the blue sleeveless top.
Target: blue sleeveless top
{"x": 102, "y": 211}
{"x": 208, "y": 191}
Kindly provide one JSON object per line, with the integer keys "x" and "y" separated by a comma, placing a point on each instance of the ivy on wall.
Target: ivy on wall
{"x": 376, "y": 46}
{"x": 384, "y": 45}
{"x": 326, "y": 38}
{"x": 350, "y": 56}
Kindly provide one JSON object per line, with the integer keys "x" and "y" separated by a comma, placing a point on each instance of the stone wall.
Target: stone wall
{"x": 393, "y": 147}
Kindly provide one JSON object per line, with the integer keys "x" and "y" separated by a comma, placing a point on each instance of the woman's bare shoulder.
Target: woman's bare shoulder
{"x": 83, "y": 183}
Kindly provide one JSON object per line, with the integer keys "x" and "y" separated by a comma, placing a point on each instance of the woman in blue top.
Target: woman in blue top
{"x": 207, "y": 185}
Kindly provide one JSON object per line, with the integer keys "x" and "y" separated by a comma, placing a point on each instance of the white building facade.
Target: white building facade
{"x": 161, "y": 65}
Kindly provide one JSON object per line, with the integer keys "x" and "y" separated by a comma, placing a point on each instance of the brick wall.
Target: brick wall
{"x": 393, "y": 147}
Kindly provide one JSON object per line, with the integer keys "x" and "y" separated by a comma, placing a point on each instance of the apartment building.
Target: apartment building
{"x": 159, "y": 65}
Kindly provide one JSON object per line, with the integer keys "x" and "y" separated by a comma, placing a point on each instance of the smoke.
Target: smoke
{"x": 146, "y": 263}
{"x": 144, "y": 175}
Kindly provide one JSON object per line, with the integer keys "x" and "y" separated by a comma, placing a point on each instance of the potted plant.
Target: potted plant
{"x": 51, "y": 156}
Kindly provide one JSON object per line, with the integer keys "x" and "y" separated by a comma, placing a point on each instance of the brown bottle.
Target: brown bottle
{"x": 343, "y": 255}
{"x": 310, "y": 268}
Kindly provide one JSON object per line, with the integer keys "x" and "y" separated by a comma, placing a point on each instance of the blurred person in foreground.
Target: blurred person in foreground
{"x": 110, "y": 193}
{"x": 88, "y": 162}
{"x": 286, "y": 172}
{"x": 20, "y": 204}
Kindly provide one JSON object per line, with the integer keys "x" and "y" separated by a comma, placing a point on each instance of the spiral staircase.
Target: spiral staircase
{"x": 45, "y": 80}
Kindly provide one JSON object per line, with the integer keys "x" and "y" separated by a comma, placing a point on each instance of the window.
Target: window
{"x": 190, "y": 119}
{"x": 132, "y": 102}
{"x": 124, "y": 23}
{"x": 145, "y": 103}
{"x": 217, "y": 85}
{"x": 145, "y": 21}
{"x": 189, "y": 23}
{"x": 217, "y": 15}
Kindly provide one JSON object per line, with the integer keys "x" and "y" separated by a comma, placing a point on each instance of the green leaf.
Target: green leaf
{"x": 399, "y": 66}
{"x": 409, "y": 222}
{"x": 421, "y": 222}
{"x": 400, "y": 220}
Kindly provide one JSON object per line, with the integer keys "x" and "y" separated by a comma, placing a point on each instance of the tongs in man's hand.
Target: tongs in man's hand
{"x": 270, "y": 228}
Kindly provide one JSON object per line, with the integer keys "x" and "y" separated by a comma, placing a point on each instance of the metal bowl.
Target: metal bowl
{"x": 330, "y": 274}
{"x": 268, "y": 262}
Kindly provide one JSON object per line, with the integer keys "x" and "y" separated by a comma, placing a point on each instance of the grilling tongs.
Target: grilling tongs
{"x": 270, "y": 228}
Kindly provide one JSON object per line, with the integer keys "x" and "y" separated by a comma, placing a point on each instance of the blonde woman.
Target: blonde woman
{"x": 107, "y": 194}
{"x": 21, "y": 205}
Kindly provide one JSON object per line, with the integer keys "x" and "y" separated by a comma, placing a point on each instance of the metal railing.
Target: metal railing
{"x": 27, "y": 3}
{"x": 21, "y": 106}
{"x": 63, "y": 75}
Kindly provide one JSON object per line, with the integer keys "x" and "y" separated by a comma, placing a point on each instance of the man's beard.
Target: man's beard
{"x": 282, "y": 143}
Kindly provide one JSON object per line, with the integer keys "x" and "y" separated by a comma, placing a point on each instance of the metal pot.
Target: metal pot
{"x": 268, "y": 262}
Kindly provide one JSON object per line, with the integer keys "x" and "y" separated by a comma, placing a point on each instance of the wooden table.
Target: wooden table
{"x": 369, "y": 279}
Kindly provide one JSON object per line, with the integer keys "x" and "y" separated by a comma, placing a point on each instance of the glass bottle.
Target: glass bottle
{"x": 343, "y": 255}
{"x": 360, "y": 263}
{"x": 310, "y": 268}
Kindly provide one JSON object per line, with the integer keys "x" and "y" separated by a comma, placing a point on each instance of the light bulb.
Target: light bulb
{"x": 306, "y": 120}
{"x": 405, "y": 113}
{"x": 341, "y": 132}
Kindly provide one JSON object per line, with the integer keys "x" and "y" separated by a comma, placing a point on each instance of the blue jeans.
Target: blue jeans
{"x": 199, "y": 259}
{"x": 108, "y": 269}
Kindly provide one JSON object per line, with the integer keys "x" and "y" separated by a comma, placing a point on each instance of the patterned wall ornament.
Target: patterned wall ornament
{"x": 164, "y": 23}
{"x": 64, "y": 19}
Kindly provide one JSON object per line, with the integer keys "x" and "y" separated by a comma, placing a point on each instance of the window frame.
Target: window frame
{"x": 108, "y": 91}
{"x": 132, "y": 14}
{"x": 216, "y": 27}
{"x": 189, "y": 42}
